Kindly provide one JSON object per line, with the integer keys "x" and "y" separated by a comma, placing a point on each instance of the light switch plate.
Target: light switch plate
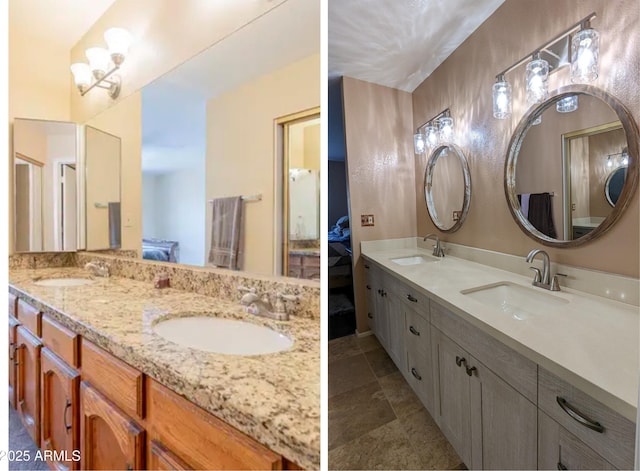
{"x": 366, "y": 219}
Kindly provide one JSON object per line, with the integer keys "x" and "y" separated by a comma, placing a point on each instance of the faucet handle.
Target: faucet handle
{"x": 280, "y": 301}
{"x": 244, "y": 289}
{"x": 537, "y": 277}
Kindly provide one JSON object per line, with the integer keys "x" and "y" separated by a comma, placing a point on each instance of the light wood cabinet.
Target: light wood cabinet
{"x": 13, "y": 326}
{"x": 396, "y": 321}
{"x": 377, "y": 305}
{"x": 419, "y": 371}
{"x": 560, "y": 449}
{"x": 488, "y": 422}
{"x": 110, "y": 439}
{"x": 160, "y": 458}
{"x": 28, "y": 381}
{"x": 60, "y": 410}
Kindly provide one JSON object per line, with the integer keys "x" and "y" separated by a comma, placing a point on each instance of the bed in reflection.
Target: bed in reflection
{"x": 160, "y": 250}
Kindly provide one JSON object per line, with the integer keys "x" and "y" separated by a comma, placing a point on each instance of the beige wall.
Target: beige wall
{"x": 166, "y": 33}
{"x": 240, "y": 149}
{"x": 380, "y": 168}
{"x": 38, "y": 88}
{"x": 124, "y": 121}
{"x": 600, "y": 146}
{"x": 463, "y": 83}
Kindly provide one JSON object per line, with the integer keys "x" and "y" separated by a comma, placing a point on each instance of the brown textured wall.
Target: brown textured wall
{"x": 380, "y": 166}
{"x": 463, "y": 83}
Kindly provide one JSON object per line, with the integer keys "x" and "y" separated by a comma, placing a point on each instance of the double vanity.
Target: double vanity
{"x": 132, "y": 377}
{"x": 516, "y": 376}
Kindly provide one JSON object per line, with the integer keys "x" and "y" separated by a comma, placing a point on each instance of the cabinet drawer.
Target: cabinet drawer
{"x": 121, "y": 383}
{"x": 515, "y": 369}
{"x": 412, "y": 297}
{"x": 200, "y": 439}
{"x": 29, "y": 317}
{"x": 616, "y": 440}
{"x": 60, "y": 341}
{"x": 12, "y": 304}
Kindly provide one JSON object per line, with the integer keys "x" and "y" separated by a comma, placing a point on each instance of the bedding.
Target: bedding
{"x": 160, "y": 250}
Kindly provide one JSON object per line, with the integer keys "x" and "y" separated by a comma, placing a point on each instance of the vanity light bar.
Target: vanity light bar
{"x": 437, "y": 129}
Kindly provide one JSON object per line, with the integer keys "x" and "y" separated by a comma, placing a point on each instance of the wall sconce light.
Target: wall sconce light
{"x": 99, "y": 72}
{"x": 434, "y": 132}
{"x": 577, "y": 46}
{"x": 619, "y": 159}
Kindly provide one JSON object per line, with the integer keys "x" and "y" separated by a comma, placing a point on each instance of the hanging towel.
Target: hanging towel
{"x": 541, "y": 214}
{"x": 114, "y": 225}
{"x": 226, "y": 232}
{"x": 524, "y": 204}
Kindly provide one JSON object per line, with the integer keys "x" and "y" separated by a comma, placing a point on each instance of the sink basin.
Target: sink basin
{"x": 228, "y": 336}
{"x": 517, "y": 301}
{"x": 412, "y": 260}
{"x": 64, "y": 282}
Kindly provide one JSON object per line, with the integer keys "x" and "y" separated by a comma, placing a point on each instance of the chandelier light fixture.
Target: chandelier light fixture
{"x": 103, "y": 63}
{"x": 577, "y": 46}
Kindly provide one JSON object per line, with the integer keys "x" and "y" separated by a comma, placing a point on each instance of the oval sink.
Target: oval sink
{"x": 64, "y": 282}
{"x": 412, "y": 260}
{"x": 228, "y": 336}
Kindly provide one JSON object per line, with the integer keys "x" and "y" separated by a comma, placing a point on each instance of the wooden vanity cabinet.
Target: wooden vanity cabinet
{"x": 60, "y": 410}
{"x": 13, "y": 326}
{"x": 419, "y": 370}
{"x": 109, "y": 438}
{"x": 181, "y": 434}
{"x": 27, "y": 356}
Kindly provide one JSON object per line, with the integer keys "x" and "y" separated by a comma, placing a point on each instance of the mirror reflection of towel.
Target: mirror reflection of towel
{"x": 226, "y": 232}
{"x": 541, "y": 213}
{"x": 114, "y": 225}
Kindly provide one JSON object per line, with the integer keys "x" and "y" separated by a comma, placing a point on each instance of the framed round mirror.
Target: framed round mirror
{"x": 447, "y": 187}
{"x": 559, "y": 173}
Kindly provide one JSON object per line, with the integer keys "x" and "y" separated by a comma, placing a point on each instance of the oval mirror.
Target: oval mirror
{"x": 569, "y": 177}
{"x": 447, "y": 187}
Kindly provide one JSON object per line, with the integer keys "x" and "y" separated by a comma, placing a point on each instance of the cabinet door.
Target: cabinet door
{"x": 503, "y": 423}
{"x": 419, "y": 371}
{"x": 161, "y": 458}
{"x": 372, "y": 297}
{"x": 28, "y": 381}
{"x": 109, "y": 438}
{"x": 396, "y": 315}
{"x": 13, "y": 325}
{"x": 453, "y": 393}
{"x": 560, "y": 449}
{"x": 60, "y": 410}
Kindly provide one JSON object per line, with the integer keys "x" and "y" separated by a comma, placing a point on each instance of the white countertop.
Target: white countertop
{"x": 591, "y": 342}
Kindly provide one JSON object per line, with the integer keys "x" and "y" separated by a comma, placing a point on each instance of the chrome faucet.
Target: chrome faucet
{"x": 543, "y": 280}
{"x": 98, "y": 268}
{"x": 438, "y": 251}
{"x": 262, "y": 305}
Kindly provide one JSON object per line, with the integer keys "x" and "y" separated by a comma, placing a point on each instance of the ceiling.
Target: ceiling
{"x": 63, "y": 22}
{"x": 399, "y": 43}
{"x": 173, "y": 105}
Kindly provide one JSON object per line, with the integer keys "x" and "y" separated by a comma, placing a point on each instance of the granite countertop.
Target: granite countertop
{"x": 591, "y": 341}
{"x": 273, "y": 398}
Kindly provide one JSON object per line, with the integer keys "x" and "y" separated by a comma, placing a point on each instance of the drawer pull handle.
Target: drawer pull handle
{"x": 366, "y": 266}
{"x": 414, "y": 331}
{"x": 415, "y": 374}
{"x": 369, "y": 315}
{"x": 64, "y": 415}
{"x": 411, "y": 298}
{"x": 470, "y": 370}
{"x": 561, "y": 466}
{"x": 575, "y": 415}
{"x": 368, "y": 286}
{"x": 460, "y": 361}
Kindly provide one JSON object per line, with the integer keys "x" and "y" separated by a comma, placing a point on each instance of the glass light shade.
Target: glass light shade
{"x": 537, "y": 79}
{"x": 419, "y": 143}
{"x": 446, "y": 130}
{"x": 81, "y": 74}
{"x": 625, "y": 158}
{"x": 99, "y": 60}
{"x": 567, "y": 105}
{"x": 431, "y": 135}
{"x": 118, "y": 41}
{"x": 501, "y": 99}
{"x": 585, "y": 49}
{"x": 609, "y": 162}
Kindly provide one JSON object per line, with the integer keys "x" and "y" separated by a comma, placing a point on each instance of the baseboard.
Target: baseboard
{"x": 363, "y": 334}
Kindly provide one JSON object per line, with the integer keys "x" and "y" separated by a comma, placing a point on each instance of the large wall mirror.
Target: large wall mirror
{"x": 447, "y": 187}
{"x": 569, "y": 177}
{"x": 46, "y": 185}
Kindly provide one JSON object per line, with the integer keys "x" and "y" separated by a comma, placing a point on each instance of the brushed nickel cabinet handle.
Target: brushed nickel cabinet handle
{"x": 366, "y": 266}
{"x": 413, "y": 331}
{"x": 577, "y": 416}
{"x": 460, "y": 361}
{"x": 411, "y": 298}
{"x": 369, "y": 315}
{"x": 368, "y": 286}
{"x": 470, "y": 370}
{"x": 415, "y": 374}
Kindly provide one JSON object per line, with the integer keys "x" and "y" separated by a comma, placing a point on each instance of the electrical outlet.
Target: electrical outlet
{"x": 366, "y": 219}
{"x": 457, "y": 215}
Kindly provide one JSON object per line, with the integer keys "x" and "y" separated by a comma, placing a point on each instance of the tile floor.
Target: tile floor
{"x": 375, "y": 419}
{"x": 20, "y": 441}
